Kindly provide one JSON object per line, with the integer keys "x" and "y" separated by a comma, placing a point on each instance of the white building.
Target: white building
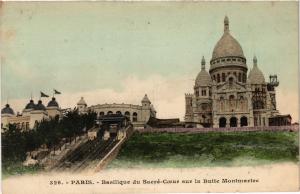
{"x": 138, "y": 114}
{"x": 225, "y": 96}
{"x": 31, "y": 114}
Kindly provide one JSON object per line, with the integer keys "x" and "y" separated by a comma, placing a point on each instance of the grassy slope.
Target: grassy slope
{"x": 207, "y": 149}
{"x": 17, "y": 168}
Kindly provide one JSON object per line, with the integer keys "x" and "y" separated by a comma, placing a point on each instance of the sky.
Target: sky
{"x": 117, "y": 51}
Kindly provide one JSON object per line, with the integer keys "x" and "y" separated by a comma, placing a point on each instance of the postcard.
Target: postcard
{"x": 149, "y": 97}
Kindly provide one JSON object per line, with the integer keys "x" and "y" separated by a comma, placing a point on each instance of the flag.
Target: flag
{"x": 56, "y": 92}
{"x": 44, "y": 95}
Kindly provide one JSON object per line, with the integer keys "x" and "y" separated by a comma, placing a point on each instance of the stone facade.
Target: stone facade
{"x": 225, "y": 96}
{"x": 31, "y": 114}
{"x": 138, "y": 114}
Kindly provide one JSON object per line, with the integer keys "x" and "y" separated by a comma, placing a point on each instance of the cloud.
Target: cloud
{"x": 166, "y": 94}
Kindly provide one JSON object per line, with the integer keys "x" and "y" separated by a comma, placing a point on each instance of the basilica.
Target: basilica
{"x": 226, "y": 96}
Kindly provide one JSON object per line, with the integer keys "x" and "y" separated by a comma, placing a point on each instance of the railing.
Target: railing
{"x": 114, "y": 151}
{"x": 225, "y": 129}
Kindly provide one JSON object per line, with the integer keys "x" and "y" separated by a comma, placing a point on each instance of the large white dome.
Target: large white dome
{"x": 227, "y": 46}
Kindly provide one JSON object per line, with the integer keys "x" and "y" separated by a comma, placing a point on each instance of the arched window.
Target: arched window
{"x": 109, "y": 112}
{"x": 240, "y": 77}
{"x": 231, "y": 80}
{"x": 203, "y": 92}
{"x": 242, "y": 103}
{"x": 222, "y": 104}
{"x": 222, "y": 122}
{"x": 223, "y": 77}
{"x": 244, "y": 121}
{"x": 127, "y": 114}
{"x": 118, "y": 113}
{"x": 101, "y": 113}
{"x": 218, "y": 78}
{"x": 134, "y": 117}
{"x": 244, "y": 77}
{"x": 233, "y": 122}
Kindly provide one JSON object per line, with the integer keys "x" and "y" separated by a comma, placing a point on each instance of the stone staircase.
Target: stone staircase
{"x": 54, "y": 157}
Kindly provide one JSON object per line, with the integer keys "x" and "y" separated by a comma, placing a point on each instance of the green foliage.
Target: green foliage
{"x": 207, "y": 149}
{"x": 12, "y": 168}
{"x": 15, "y": 143}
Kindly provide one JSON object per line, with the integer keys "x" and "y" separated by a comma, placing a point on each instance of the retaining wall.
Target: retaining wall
{"x": 226, "y": 129}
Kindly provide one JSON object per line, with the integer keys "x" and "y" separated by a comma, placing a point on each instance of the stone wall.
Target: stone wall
{"x": 226, "y": 129}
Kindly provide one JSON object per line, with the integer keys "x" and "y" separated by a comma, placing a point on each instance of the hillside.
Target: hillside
{"x": 207, "y": 149}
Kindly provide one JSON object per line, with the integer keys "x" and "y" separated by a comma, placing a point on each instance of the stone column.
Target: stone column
{"x": 215, "y": 122}
{"x": 227, "y": 122}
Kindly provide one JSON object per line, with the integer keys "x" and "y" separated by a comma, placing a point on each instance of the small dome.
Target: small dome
{"x": 7, "y": 110}
{"x": 39, "y": 106}
{"x": 256, "y": 76}
{"x": 227, "y": 46}
{"x": 146, "y": 99}
{"x": 203, "y": 78}
{"x": 30, "y": 105}
{"x": 81, "y": 102}
{"x": 53, "y": 103}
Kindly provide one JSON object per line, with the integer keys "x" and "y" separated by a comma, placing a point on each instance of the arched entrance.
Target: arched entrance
{"x": 127, "y": 114}
{"x": 244, "y": 121}
{"x": 222, "y": 122}
{"x": 233, "y": 122}
{"x": 109, "y": 112}
{"x": 134, "y": 117}
{"x": 118, "y": 113}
